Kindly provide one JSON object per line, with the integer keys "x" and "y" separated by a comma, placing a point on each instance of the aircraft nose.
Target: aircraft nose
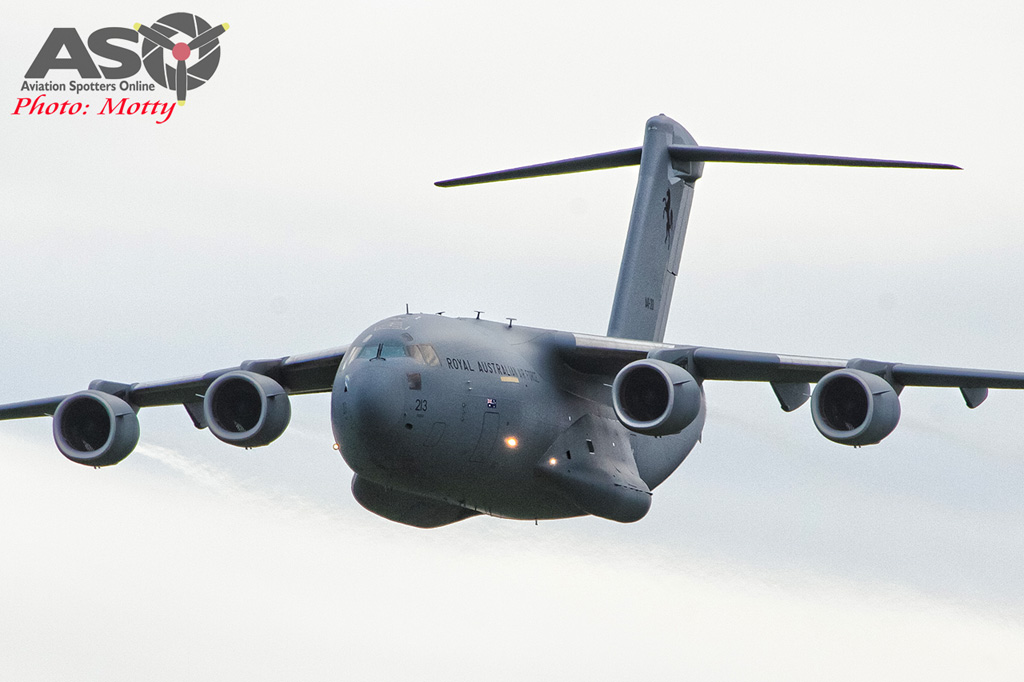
{"x": 375, "y": 394}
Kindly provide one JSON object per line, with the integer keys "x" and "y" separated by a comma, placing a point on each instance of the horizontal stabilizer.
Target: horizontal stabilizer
{"x": 616, "y": 159}
{"x": 683, "y": 153}
{"x": 723, "y": 154}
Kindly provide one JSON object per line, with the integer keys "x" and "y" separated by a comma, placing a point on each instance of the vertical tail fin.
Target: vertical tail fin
{"x": 670, "y": 162}
{"x": 657, "y": 228}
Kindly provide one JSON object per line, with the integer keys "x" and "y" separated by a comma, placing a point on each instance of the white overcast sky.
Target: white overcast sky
{"x": 290, "y": 205}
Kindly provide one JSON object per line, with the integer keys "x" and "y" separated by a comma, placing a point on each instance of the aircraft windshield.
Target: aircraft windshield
{"x": 420, "y": 352}
{"x": 423, "y": 352}
{"x": 391, "y": 349}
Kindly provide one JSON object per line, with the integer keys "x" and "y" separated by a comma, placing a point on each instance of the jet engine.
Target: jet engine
{"x": 95, "y": 428}
{"x": 655, "y": 397}
{"x": 854, "y": 407}
{"x": 246, "y": 409}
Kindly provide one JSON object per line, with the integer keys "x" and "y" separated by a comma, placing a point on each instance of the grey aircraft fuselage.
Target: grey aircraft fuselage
{"x": 480, "y": 415}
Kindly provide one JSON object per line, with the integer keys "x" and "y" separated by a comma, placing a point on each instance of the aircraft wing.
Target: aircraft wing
{"x": 305, "y": 373}
{"x": 788, "y": 374}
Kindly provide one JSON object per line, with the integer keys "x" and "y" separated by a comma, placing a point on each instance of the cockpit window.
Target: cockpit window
{"x": 391, "y": 349}
{"x": 420, "y": 352}
{"x": 352, "y": 354}
{"x": 423, "y": 352}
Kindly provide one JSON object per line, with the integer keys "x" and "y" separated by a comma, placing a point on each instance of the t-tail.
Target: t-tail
{"x": 670, "y": 163}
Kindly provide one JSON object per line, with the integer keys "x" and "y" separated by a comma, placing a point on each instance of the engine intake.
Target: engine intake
{"x": 95, "y": 428}
{"x": 246, "y": 409}
{"x": 655, "y": 397}
{"x": 854, "y": 407}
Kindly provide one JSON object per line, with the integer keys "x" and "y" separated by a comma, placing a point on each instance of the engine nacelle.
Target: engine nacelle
{"x": 655, "y": 397}
{"x": 95, "y": 428}
{"x": 246, "y": 409}
{"x": 854, "y": 407}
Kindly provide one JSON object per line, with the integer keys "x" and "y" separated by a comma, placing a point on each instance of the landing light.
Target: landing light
{"x": 552, "y": 461}
{"x": 512, "y": 442}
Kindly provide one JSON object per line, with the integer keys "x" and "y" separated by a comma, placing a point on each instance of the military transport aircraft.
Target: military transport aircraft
{"x": 446, "y": 418}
